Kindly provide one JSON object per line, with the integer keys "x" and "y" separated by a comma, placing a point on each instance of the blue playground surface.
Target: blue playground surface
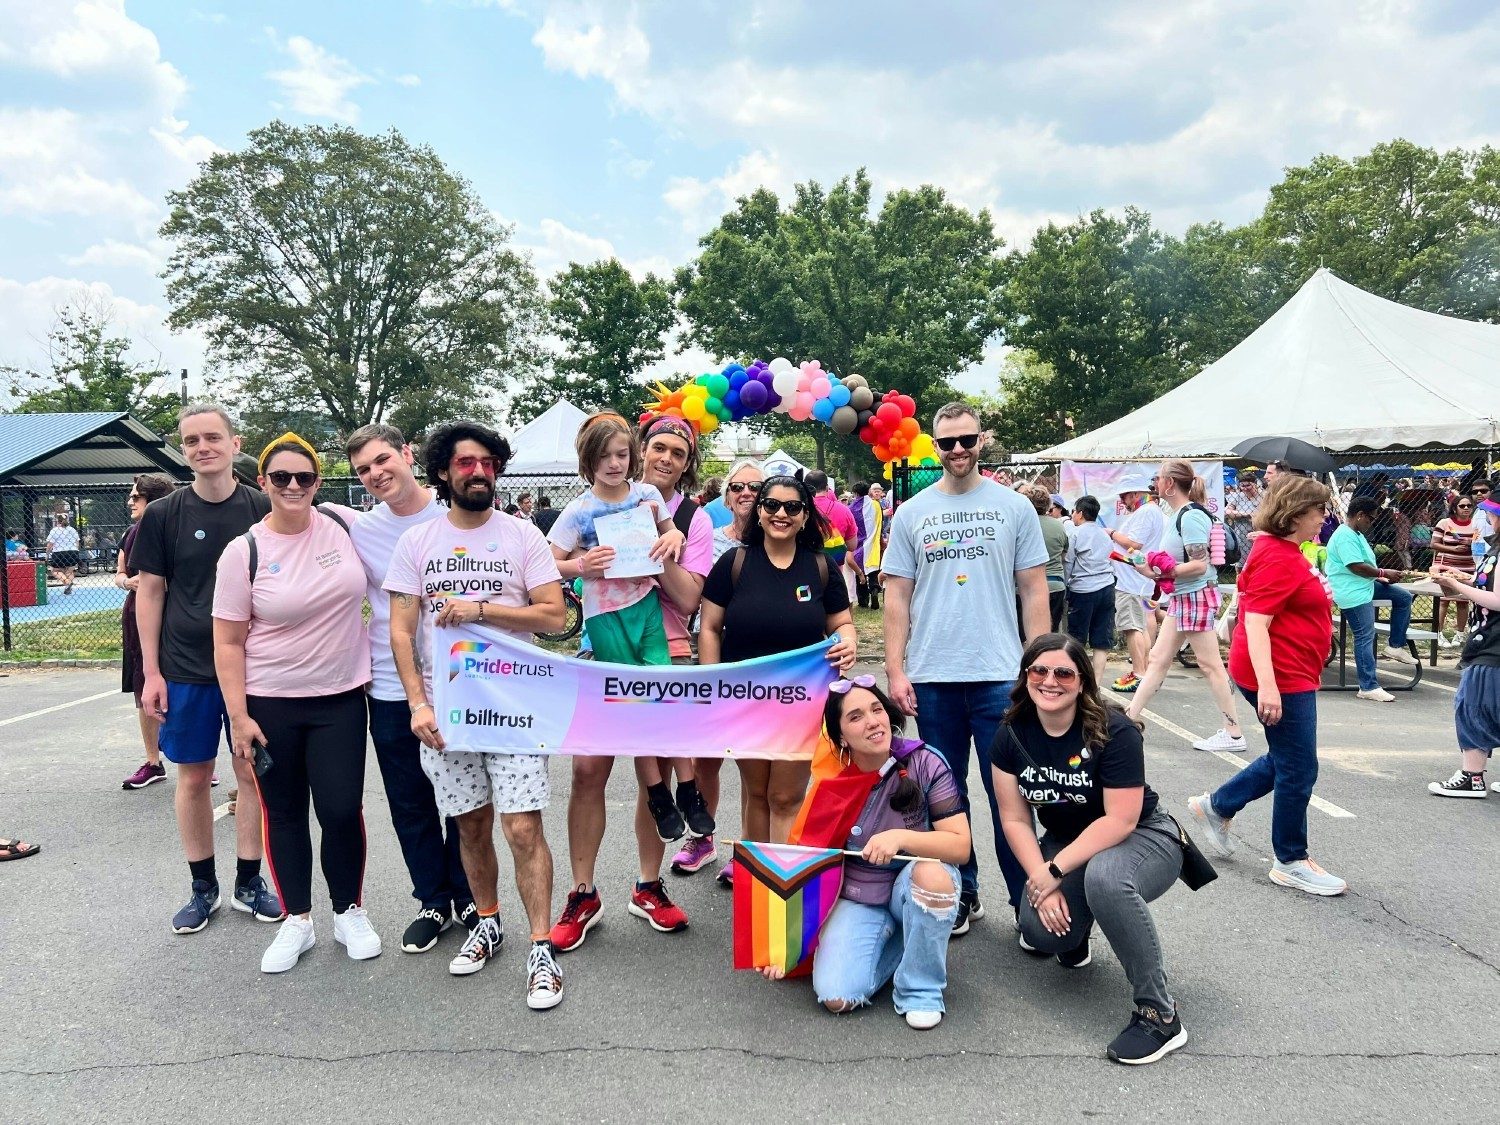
{"x": 83, "y": 599}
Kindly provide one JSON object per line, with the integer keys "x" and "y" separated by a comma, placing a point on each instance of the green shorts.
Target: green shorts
{"x": 633, "y": 635}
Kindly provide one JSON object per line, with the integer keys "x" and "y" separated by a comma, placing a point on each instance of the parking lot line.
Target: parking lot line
{"x": 1240, "y": 763}
{"x": 59, "y": 707}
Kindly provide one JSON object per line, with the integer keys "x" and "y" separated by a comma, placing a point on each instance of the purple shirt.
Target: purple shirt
{"x": 871, "y": 885}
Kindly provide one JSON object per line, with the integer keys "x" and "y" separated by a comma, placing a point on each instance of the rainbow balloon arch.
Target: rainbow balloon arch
{"x": 803, "y": 392}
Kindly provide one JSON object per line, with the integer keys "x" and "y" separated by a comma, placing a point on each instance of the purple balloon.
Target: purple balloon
{"x": 753, "y": 395}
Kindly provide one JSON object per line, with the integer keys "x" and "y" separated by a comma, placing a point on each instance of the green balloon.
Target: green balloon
{"x": 725, "y": 414}
{"x": 712, "y": 405}
{"x": 702, "y": 380}
{"x": 717, "y": 385}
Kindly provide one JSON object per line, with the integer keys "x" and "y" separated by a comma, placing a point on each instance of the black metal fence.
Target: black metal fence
{"x": 43, "y": 616}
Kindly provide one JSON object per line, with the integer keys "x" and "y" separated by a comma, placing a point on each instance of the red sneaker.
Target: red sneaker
{"x": 578, "y": 917}
{"x": 651, "y": 903}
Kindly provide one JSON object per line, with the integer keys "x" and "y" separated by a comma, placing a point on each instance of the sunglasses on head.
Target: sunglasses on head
{"x": 792, "y": 507}
{"x": 467, "y": 464}
{"x": 1038, "y": 674}
{"x": 947, "y": 444}
{"x": 740, "y": 486}
{"x": 280, "y": 478}
{"x": 841, "y": 687}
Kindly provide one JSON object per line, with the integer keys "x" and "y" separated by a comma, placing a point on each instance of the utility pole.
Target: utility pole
{"x": 184, "y": 386}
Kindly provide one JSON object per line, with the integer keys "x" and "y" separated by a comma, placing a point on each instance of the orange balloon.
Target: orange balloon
{"x": 675, "y": 398}
{"x": 910, "y": 428}
{"x": 882, "y": 454}
{"x": 674, "y": 411}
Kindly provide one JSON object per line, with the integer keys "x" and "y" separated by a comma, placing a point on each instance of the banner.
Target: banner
{"x": 494, "y": 693}
{"x": 1101, "y": 480}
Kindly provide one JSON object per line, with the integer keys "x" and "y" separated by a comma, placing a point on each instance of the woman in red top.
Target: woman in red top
{"x": 1276, "y": 658}
{"x": 1453, "y": 553}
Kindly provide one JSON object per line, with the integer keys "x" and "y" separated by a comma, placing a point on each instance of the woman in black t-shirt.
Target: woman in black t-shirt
{"x": 774, "y": 594}
{"x": 1107, "y": 849}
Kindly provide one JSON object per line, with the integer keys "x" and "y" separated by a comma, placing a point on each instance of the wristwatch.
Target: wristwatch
{"x": 1052, "y": 867}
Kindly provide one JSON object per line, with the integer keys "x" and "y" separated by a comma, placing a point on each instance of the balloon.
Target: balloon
{"x": 821, "y": 388}
{"x": 929, "y": 462}
{"x": 674, "y": 411}
{"x": 907, "y": 404}
{"x": 839, "y": 396}
{"x": 698, "y": 390}
{"x": 754, "y": 396}
{"x": 861, "y": 397}
{"x": 922, "y": 447}
{"x": 909, "y": 428}
{"x": 823, "y": 410}
{"x": 802, "y": 404}
{"x": 780, "y": 364}
{"x": 844, "y": 420}
{"x": 732, "y": 402}
{"x": 882, "y": 453}
{"x": 738, "y": 380}
{"x": 712, "y": 405}
{"x": 693, "y": 408}
{"x": 725, "y": 414}
{"x": 718, "y": 386}
{"x": 702, "y": 380}
{"x": 785, "y": 383}
{"x": 707, "y": 424}
{"x": 852, "y": 381}
{"x": 864, "y": 416}
{"x": 868, "y": 435}
{"x": 889, "y": 414}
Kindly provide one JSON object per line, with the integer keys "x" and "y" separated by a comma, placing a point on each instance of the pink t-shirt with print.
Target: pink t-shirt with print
{"x": 697, "y": 558}
{"x": 307, "y": 633}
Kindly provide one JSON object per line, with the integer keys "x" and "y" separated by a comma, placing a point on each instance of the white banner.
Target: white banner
{"x": 1101, "y": 480}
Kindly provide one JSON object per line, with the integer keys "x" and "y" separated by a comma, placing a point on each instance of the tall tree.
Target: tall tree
{"x": 350, "y": 275}
{"x": 88, "y": 369}
{"x": 612, "y": 328}
{"x": 905, "y": 298}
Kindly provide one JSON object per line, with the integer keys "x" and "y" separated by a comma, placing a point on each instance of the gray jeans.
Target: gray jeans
{"x": 1113, "y": 889}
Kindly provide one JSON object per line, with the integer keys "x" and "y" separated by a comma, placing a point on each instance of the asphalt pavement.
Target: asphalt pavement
{"x": 1382, "y": 1005}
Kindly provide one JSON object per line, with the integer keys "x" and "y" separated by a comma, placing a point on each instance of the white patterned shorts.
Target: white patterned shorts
{"x": 463, "y": 781}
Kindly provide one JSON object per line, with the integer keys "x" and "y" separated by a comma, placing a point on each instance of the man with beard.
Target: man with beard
{"x": 511, "y": 584}
{"x": 958, "y": 554}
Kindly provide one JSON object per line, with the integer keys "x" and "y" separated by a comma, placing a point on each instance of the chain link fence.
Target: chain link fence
{"x": 44, "y": 617}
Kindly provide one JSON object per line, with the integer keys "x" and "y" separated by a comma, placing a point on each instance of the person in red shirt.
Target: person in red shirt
{"x": 843, "y": 536}
{"x": 1276, "y": 658}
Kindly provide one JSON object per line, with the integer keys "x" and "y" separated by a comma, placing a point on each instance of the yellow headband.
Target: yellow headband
{"x": 284, "y": 439}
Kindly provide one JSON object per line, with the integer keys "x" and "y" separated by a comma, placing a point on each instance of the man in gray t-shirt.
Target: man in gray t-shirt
{"x": 959, "y": 554}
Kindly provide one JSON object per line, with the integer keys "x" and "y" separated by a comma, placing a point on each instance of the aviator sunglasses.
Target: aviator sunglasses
{"x": 740, "y": 486}
{"x": 1038, "y": 674}
{"x": 792, "y": 507}
{"x": 280, "y": 478}
{"x": 946, "y": 444}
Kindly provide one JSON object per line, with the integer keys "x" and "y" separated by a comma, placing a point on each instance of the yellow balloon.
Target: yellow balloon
{"x": 692, "y": 408}
{"x": 708, "y": 423}
{"x": 697, "y": 392}
{"x": 888, "y": 474}
{"x": 921, "y": 446}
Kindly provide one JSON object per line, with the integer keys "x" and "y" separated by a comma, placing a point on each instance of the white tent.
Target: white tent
{"x": 545, "y": 444}
{"x": 1335, "y": 366}
{"x": 779, "y": 463}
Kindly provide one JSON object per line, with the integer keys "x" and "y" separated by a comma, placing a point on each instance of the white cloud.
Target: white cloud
{"x": 623, "y": 164}
{"x": 407, "y": 80}
{"x": 552, "y": 245}
{"x": 51, "y": 163}
{"x": 112, "y": 252}
{"x": 319, "y": 82}
{"x": 701, "y": 203}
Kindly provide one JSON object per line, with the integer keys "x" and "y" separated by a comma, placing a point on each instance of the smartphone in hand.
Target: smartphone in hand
{"x": 262, "y": 760}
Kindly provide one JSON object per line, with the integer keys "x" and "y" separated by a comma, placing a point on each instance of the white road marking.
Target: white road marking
{"x": 1239, "y": 763}
{"x": 221, "y": 811}
{"x": 59, "y": 707}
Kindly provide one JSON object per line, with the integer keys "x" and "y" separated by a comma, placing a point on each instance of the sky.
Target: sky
{"x": 627, "y": 129}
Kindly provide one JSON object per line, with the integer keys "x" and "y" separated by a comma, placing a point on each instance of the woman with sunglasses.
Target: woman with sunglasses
{"x": 293, "y": 659}
{"x": 1453, "y": 542}
{"x": 1108, "y": 848}
{"x": 741, "y": 488}
{"x": 148, "y": 487}
{"x": 776, "y": 593}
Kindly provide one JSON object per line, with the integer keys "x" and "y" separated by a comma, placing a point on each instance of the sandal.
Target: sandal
{"x": 17, "y": 849}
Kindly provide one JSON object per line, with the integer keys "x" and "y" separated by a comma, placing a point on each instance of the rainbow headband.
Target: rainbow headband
{"x": 294, "y": 439}
{"x": 671, "y": 424}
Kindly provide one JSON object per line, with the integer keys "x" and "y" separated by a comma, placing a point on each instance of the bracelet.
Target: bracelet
{"x": 415, "y": 707}
{"x": 481, "y": 611}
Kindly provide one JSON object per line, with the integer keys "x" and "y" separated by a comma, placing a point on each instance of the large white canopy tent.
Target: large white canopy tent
{"x": 545, "y": 444}
{"x": 1335, "y": 366}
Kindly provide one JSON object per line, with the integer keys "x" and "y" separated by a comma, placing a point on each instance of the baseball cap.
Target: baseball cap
{"x": 1135, "y": 480}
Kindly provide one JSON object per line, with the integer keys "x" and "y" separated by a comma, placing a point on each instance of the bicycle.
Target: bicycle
{"x": 573, "y": 625}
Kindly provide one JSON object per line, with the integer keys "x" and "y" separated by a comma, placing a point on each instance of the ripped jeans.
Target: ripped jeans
{"x": 863, "y": 946}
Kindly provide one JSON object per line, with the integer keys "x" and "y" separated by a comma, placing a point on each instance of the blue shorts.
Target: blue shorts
{"x": 195, "y": 715}
{"x": 1476, "y": 708}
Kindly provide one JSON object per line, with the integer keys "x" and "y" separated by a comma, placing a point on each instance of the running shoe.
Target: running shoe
{"x": 544, "y": 983}
{"x": 1147, "y": 1038}
{"x": 293, "y": 940}
{"x": 1461, "y": 784}
{"x": 651, "y": 903}
{"x": 970, "y": 909}
{"x": 923, "y": 1021}
{"x": 1305, "y": 875}
{"x": 425, "y": 929}
{"x": 1214, "y": 826}
{"x": 694, "y": 810}
{"x": 1077, "y": 957}
{"x": 194, "y": 916}
{"x": 255, "y": 898}
{"x": 146, "y": 775}
{"x": 1126, "y": 684}
{"x": 725, "y": 877}
{"x": 579, "y": 916}
{"x": 696, "y": 854}
{"x": 482, "y": 945}
{"x": 1221, "y": 740}
{"x": 669, "y": 823}
{"x": 1375, "y": 695}
{"x": 1399, "y": 655}
{"x": 353, "y": 931}
{"x": 213, "y": 780}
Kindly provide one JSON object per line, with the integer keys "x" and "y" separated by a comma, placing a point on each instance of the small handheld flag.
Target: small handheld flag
{"x": 782, "y": 895}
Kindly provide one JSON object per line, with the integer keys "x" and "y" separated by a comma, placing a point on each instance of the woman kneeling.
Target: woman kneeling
{"x": 1107, "y": 850}
{"x": 892, "y": 919}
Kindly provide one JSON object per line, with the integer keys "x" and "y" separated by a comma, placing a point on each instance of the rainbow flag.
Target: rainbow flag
{"x": 782, "y": 894}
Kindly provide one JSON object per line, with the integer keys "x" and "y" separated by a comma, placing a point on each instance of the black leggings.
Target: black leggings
{"x": 317, "y": 746}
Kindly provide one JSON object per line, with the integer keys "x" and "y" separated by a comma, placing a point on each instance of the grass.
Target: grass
{"x": 83, "y": 636}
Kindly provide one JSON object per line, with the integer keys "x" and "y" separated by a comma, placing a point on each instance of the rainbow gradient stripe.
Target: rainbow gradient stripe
{"x": 458, "y": 651}
{"x": 782, "y": 895}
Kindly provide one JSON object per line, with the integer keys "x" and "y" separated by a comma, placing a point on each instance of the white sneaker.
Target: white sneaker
{"x": 1221, "y": 740}
{"x": 1399, "y": 655}
{"x": 353, "y": 931}
{"x": 293, "y": 939}
{"x": 1215, "y": 827}
{"x": 923, "y": 1021}
{"x": 1305, "y": 875}
{"x": 544, "y": 984}
{"x": 1495, "y": 786}
{"x": 1378, "y": 694}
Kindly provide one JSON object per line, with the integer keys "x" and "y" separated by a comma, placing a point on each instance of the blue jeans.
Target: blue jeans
{"x": 1289, "y": 767}
{"x": 429, "y": 843}
{"x": 1361, "y": 620}
{"x": 949, "y": 718}
{"x": 863, "y": 946}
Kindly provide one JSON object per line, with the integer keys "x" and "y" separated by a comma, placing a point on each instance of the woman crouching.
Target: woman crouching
{"x": 1107, "y": 849}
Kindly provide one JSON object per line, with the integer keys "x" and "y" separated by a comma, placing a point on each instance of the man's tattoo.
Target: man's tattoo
{"x": 404, "y": 600}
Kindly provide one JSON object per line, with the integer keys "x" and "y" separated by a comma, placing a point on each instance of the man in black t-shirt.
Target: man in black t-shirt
{"x": 177, "y": 553}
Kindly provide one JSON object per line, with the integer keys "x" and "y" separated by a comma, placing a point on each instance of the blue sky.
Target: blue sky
{"x": 629, "y": 128}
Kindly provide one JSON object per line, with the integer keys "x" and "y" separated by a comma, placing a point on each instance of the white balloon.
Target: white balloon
{"x": 780, "y": 364}
{"x": 785, "y": 384}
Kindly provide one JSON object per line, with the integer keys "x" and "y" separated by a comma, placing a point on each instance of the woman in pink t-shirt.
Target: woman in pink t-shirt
{"x": 293, "y": 657}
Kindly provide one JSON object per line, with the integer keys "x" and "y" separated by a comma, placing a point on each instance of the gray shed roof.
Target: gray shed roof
{"x": 49, "y": 450}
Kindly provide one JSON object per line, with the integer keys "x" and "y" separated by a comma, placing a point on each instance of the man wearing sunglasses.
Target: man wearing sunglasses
{"x": 177, "y": 552}
{"x": 959, "y": 554}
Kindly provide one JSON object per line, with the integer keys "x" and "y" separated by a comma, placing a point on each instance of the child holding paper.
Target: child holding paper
{"x": 623, "y": 614}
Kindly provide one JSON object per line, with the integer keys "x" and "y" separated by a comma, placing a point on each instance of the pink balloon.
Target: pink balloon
{"x": 804, "y": 382}
{"x": 821, "y": 387}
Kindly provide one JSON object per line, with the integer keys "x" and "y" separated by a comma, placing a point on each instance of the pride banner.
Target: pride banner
{"x": 494, "y": 693}
{"x": 1101, "y": 480}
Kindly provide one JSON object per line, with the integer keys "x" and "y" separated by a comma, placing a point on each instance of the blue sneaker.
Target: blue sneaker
{"x": 256, "y": 899}
{"x": 194, "y": 916}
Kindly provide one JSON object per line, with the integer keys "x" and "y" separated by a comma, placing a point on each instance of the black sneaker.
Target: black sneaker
{"x": 669, "y": 823}
{"x": 694, "y": 810}
{"x": 1076, "y": 958}
{"x": 1461, "y": 784}
{"x": 423, "y": 933}
{"x": 1147, "y": 1038}
{"x": 970, "y": 909}
{"x": 468, "y": 915}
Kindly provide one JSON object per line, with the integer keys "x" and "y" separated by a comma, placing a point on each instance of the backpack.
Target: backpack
{"x": 249, "y": 538}
{"x": 739, "y": 564}
{"x": 1223, "y": 547}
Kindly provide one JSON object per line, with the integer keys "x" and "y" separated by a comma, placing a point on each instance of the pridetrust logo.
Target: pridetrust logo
{"x": 466, "y": 658}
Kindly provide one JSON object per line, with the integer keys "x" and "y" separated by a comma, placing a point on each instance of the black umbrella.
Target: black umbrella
{"x": 1297, "y": 453}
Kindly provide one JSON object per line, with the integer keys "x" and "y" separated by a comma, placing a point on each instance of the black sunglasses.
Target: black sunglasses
{"x": 280, "y": 478}
{"x": 946, "y": 444}
{"x": 793, "y": 507}
{"x": 741, "y": 485}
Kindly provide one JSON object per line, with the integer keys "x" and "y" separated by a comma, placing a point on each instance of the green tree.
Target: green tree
{"x": 349, "y": 275}
{"x": 90, "y": 370}
{"x": 905, "y": 298}
{"x": 612, "y": 328}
